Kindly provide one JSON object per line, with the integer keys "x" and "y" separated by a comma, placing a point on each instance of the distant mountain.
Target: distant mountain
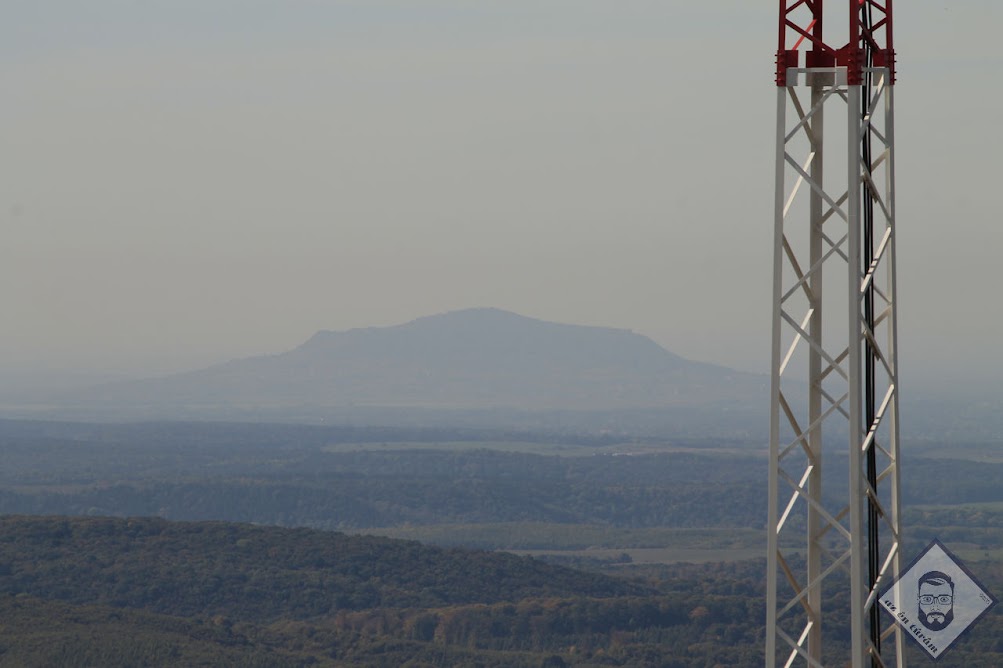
{"x": 475, "y": 359}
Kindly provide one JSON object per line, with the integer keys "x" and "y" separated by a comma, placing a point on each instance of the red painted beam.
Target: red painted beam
{"x": 800, "y": 24}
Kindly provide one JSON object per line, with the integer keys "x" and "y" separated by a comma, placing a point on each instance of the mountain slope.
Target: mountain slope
{"x": 470, "y": 359}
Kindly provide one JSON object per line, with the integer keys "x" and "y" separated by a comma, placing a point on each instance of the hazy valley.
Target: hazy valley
{"x": 666, "y": 536}
{"x": 579, "y": 496}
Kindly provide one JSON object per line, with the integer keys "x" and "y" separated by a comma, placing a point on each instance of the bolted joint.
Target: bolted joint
{"x": 784, "y": 60}
{"x": 886, "y": 58}
{"x": 854, "y": 66}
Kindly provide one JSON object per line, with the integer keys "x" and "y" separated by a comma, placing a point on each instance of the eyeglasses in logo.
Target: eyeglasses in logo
{"x": 943, "y": 600}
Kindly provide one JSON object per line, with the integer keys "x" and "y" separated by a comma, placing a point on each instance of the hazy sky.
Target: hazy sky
{"x": 186, "y": 181}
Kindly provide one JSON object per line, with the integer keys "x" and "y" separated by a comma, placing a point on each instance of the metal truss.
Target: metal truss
{"x": 834, "y": 389}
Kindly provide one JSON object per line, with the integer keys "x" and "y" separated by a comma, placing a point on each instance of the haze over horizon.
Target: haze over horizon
{"x": 189, "y": 182}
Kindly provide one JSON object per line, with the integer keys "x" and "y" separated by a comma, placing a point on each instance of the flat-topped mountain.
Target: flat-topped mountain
{"x": 472, "y": 359}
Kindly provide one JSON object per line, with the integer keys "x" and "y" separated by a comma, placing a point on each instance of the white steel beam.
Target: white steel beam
{"x": 822, "y": 340}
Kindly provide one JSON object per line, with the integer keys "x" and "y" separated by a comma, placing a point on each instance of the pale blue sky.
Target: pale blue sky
{"x": 184, "y": 182}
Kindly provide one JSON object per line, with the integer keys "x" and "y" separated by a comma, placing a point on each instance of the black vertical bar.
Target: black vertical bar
{"x": 867, "y": 247}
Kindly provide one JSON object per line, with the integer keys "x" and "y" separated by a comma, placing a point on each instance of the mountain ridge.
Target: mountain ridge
{"x": 471, "y": 359}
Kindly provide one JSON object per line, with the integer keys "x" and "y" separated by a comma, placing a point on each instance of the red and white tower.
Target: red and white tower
{"x": 835, "y": 396}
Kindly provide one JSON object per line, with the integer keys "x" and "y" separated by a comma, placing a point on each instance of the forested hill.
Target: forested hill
{"x": 263, "y": 574}
{"x": 126, "y": 592}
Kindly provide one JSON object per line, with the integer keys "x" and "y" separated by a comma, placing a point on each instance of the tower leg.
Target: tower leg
{"x": 815, "y": 525}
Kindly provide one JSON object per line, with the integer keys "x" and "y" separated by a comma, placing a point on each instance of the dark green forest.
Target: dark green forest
{"x": 351, "y": 600}
{"x": 222, "y": 544}
{"x": 101, "y": 591}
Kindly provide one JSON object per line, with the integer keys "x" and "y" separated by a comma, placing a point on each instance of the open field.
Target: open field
{"x": 593, "y": 542}
{"x": 554, "y": 449}
{"x": 651, "y": 555}
{"x": 517, "y": 447}
{"x": 989, "y": 452}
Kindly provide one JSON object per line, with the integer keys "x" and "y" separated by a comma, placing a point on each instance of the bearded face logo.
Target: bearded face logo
{"x": 936, "y": 600}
